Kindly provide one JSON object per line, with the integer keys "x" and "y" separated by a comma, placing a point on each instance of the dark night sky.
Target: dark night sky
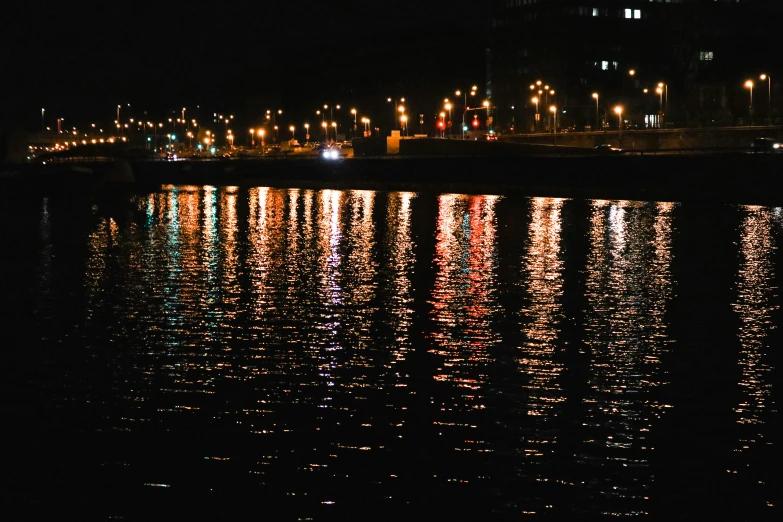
{"x": 234, "y": 57}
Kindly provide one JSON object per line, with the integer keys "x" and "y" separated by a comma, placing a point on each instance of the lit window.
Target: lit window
{"x": 628, "y": 13}
{"x": 595, "y": 11}
{"x": 637, "y": 14}
{"x": 705, "y": 56}
{"x": 605, "y": 65}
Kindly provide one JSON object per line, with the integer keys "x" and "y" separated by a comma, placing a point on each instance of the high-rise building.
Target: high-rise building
{"x": 667, "y": 63}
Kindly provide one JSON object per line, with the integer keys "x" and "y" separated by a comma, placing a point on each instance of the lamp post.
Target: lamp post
{"x": 252, "y": 138}
{"x": 749, "y": 85}
{"x": 448, "y": 108}
{"x": 597, "y": 116}
{"x": 442, "y": 124}
{"x": 326, "y": 130}
{"x": 619, "y": 111}
{"x": 769, "y": 95}
{"x": 353, "y": 111}
{"x": 486, "y": 104}
{"x": 292, "y": 129}
{"x": 665, "y": 87}
{"x": 261, "y": 133}
{"x": 553, "y": 109}
{"x": 42, "y": 120}
{"x": 307, "y": 132}
{"x": 535, "y": 100}
{"x": 660, "y": 104}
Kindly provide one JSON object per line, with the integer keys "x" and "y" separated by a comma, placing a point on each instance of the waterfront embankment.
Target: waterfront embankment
{"x": 730, "y": 177}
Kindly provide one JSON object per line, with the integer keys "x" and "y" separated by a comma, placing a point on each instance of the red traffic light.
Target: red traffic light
{"x": 441, "y": 124}
{"x": 475, "y": 123}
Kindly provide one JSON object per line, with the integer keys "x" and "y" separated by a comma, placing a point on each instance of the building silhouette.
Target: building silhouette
{"x": 693, "y": 57}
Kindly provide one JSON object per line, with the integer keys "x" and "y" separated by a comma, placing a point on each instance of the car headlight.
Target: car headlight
{"x": 776, "y": 146}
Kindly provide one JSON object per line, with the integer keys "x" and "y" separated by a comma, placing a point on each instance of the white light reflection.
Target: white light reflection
{"x": 543, "y": 266}
{"x": 628, "y": 289}
{"x": 757, "y": 295}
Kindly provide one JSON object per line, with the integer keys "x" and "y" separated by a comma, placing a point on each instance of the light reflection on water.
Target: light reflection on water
{"x": 355, "y": 349}
{"x": 757, "y": 298}
{"x": 628, "y": 288}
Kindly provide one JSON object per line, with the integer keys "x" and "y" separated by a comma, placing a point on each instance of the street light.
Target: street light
{"x": 749, "y": 85}
{"x": 252, "y": 137}
{"x": 769, "y": 94}
{"x": 535, "y": 100}
{"x": 553, "y": 109}
{"x": 597, "y": 122}
{"x": 486, "y": 104}
{"x": 307, "y": 132}
{"x": 442, "y": 124}
{"x": 619, "y": 111}
{"x": 448, "y": 108}
{"x": 261, "y": 133}
{"x": 665, "y": 87}
{"x": 326, "y": 130}
{"x": 353, "y": 111}
{"x": 293, "y": 136}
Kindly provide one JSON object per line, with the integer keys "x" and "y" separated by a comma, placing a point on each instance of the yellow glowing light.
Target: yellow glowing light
{"x": 632, "y": 72}
{"x": 763, "y": 77}
{"x": 486, "y": 103}
{"x": 749, "y": 84}
{"x": 553, "y": 108}
{"x": 595, "y": 95}
{"x": 291, "y": 128}
{"x": 448, "y": 106}
{"x": 534, "y": 99}
{"x": 618, "y": 110}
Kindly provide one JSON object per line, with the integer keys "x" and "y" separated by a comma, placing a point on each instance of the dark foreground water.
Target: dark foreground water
{"x": 283, "y": 354}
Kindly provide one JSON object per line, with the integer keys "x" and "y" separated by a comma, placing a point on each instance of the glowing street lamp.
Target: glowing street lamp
{"x": 326, "y": 130}
{"x": 448, "y": 108}
{"x": 292, "y": 128}
{"x": 252, "y": 137}
{"x": 619, "y": 111}
{"x": 597, "y": 122}
{"x": 769, "y": 94}
{"x": 553, "y": 110}
{"x": 307, "y": 131}
{"x": 749, "y": 85}
{"x": 442, "y": 123}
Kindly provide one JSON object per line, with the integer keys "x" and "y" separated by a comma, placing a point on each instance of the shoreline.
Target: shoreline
{"x": 742, "y": 178}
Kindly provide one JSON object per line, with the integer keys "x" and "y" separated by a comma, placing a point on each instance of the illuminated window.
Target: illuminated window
{"x": 604, "y": 65}
{"x": 637, "y": 14}
{"x": 628, "y": 13}
{"x": 706, "y": 56}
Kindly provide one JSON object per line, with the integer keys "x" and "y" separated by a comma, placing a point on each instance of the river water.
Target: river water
{"x": 295, "y": 354}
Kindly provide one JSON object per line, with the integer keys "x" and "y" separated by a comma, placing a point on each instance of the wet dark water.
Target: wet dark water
{"x": 291, "y": 354}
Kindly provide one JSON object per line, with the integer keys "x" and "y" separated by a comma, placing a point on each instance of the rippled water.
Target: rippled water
{"x": 291, "y": 354}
